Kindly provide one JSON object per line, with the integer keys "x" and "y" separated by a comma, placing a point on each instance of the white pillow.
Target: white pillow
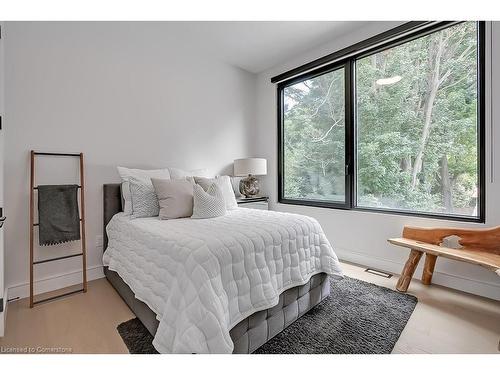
{"x": 176, "y": 173}
{"x": 225, "y": 185}
{"x": 207, "y": 204}
{"x": 144, "y": 175}
{"x": 235, "y": 181}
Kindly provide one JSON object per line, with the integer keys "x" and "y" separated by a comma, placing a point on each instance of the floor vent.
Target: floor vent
{"x": 379, "y": 273}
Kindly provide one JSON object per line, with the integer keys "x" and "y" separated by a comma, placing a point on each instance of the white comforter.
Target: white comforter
{"x": 203, "y": 276}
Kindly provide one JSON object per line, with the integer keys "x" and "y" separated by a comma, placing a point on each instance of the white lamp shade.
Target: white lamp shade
{"x": 253, "y": 166}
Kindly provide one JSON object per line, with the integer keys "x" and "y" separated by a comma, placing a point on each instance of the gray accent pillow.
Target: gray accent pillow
{"x": 175, "y": 197}
{"x": 225, "y": 185}
{"x": 207, "y": 204}
{"x": 143, "y": 198}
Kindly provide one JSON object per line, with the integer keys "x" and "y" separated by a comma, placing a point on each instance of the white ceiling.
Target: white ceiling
{"x": 257, "y": 46}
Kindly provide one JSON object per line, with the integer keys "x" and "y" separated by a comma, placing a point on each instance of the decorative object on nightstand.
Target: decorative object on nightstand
{"x": 259, "y": 203}
{"x": 250, "y": 167}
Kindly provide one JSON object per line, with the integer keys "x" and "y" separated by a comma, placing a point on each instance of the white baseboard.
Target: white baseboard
{"x": 54, "y": 282}
{"x": 481, "y": 288}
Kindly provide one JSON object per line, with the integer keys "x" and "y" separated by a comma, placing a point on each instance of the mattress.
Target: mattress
{"x": 202, "y": 277}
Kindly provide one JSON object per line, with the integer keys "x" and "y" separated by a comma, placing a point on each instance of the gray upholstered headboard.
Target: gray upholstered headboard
{"x": 112, "y": 204}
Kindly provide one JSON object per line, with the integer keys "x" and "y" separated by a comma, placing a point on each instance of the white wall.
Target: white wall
{"x": 128, "y": 93}
{"x": 3, "y": 294}
{"x": 360, "y": 236}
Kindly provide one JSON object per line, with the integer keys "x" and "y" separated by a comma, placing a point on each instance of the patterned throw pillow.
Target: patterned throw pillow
{"x": 209, "y": 203}
{"x": 144, "y": 199}
{"x": 144, "y": 175}
{"x": 224, "y": 183}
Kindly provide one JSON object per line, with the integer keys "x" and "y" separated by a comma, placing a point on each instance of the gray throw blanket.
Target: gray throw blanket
{"x": 58, "y": 215}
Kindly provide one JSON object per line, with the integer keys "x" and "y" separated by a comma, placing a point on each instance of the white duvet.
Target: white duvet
{"x": 203, "y": 276}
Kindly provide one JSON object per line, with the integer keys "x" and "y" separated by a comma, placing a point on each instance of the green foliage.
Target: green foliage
{"x": 430, "y": 113}
{"x": 315, "y": 138}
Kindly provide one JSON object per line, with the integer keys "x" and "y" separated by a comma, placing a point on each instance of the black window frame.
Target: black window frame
{"x": 346, "y": 58}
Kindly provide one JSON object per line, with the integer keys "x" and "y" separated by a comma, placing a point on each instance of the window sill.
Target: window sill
{"x": 340, "y": 206}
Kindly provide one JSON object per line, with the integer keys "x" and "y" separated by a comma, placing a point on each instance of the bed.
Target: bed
{"x": 221, "y": 285}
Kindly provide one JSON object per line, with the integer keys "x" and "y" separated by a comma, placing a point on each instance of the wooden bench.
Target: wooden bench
{"x": 478, "y": 246}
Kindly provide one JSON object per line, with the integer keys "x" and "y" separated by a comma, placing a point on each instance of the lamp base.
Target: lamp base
{"x": 249, "y": 186}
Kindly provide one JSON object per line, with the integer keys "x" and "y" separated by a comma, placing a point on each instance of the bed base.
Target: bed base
{"x": 258, "y": 328}
{"x": 249, "y": 334}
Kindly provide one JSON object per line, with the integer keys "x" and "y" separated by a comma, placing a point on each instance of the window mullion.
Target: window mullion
{"x": 349, "y": 133}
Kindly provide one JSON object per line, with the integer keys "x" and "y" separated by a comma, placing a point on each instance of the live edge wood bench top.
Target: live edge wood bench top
{"x": 479, "y": 246}
{"x": 488, "y": 260}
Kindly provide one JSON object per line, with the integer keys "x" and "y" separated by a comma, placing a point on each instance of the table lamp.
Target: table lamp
{"x": 250, "y": 167}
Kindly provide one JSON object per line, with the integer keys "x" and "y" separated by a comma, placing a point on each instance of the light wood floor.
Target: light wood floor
{"x": 444, "y": 321}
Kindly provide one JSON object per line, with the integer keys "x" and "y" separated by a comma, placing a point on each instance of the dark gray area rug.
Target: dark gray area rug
{"x": 136, "y": 337}
{"x": 357, "y": 318}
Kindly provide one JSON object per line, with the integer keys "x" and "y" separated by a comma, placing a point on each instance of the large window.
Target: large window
{"x": 314, "y": 138}
{"x": 397, "y": 127}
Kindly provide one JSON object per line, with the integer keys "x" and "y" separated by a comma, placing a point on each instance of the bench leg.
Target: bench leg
{"x": 408, "y": 270}
{"x": 430, "y": 263}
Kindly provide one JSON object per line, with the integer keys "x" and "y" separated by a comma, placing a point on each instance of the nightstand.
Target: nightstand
{"x": 259, "y": 203}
